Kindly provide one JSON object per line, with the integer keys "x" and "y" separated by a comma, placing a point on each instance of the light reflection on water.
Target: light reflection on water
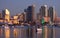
{"x": 7, "y": 32}
{"x": 14, "y": 32}
{"x": 22, "y": 32}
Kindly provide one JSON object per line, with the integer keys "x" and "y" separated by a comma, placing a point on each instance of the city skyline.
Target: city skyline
{"x": 29, "y": 15}
{"x": 29, "y": 19}
{"x": 18, "y": 6}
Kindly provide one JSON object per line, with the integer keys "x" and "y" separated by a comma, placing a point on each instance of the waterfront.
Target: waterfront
{"x": 16, "y": 32}
{"x": 23, "y": 32}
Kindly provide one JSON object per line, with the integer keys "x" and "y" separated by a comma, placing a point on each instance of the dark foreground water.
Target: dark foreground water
{"x": 18, "y": 32}
{"x": 25, "y": 32}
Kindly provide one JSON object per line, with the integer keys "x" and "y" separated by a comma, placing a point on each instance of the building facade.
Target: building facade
{"x": 51, "y": 13}
{"x": 6, "y": 15}
{"x": 30, "y": 13}
{"x": 44, "y": 11}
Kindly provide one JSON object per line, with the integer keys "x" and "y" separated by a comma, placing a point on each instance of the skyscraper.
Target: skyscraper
{"x": 44, "y": 11}
{"x": 51, "y": 13}
{"x": 38, "y": 16}
{"x": 0, "y": 15}
{"x": 6, "y": 15}
{"x": 21, "y": 16}
{"x": 30, "y": 13}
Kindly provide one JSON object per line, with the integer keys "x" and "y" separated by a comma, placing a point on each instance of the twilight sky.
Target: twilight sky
{"x": 18, "y": 6}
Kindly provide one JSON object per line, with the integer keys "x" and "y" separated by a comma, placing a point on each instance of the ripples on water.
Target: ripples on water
{"x": 15, "y": 32}
{"x": 23, "y": 32}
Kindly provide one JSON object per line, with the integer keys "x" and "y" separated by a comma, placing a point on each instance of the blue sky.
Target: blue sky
{"x": 18, "y": 6}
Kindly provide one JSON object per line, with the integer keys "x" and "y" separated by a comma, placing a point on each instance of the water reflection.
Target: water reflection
{"x": 13, "y": 32}
{"x": 7, "y": 32}
{"x": 23, "y": 32}
{"x": 16, "y": 32}
{"x": 0, "y": 33}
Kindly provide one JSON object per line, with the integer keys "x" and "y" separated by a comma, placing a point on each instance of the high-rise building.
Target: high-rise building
{"x": 21, "y": 16}
{"x": 6, "y": 15}
{"x": 15, "y": 21}
{"x": 44, "y": 11}
{"x": 0, "y": 15}
{"x": 30, "y": 13}
{"x": 38, "y": 16}
{"x": 51, "y": 13}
